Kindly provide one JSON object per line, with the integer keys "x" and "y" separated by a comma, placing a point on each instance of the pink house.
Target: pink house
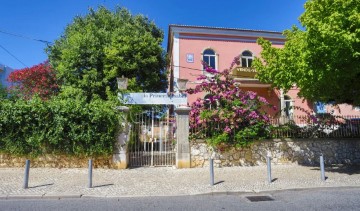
{"x": 188, "y": 46}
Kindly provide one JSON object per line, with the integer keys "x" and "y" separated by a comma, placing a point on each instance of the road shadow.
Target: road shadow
{"x": 104, "y": 185}
{"x": 38, "y": 186}
{"x": 342, "y": 169}
{"x": 148, "y": 167}
{"x": 216, "y": 183}
{"x": 273, "y": 180}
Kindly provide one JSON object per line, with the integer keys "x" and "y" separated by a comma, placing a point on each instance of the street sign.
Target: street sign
{"x": 153, "y": 99}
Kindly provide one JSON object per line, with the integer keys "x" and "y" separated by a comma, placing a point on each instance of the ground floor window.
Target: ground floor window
{"x": 289, "y": 110}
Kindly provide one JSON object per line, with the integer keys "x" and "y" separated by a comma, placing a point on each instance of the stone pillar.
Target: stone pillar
{"x": 282, "y": 108}
{"x": 120, "y": 155}
{"x": 282, "y": 103}
{"x": 182, "y": 137}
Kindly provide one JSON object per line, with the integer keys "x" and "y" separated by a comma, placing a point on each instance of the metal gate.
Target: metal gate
{"x": 152, "y": 141}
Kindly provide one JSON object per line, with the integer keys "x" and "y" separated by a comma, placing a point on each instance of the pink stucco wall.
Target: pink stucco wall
{"x": 226, "y": 51}
{"x": 343, "y": 110}
{"x": 300, "y": 103}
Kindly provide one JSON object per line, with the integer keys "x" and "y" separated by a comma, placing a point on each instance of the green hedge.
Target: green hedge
{"x": 60, "y": 125}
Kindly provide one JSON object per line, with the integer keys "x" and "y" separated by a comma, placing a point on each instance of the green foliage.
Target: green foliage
{"x": 61, "y": 125}
{"x": 103, "y": 45}
{"x": 218, "y": 139}
{"x": 3, "y": 92}
{"x": 324, "y": 60}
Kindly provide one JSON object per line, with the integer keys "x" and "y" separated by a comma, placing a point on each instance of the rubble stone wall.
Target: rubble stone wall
{"x": 282, "y": 151}
{"x": 55, "y": 161}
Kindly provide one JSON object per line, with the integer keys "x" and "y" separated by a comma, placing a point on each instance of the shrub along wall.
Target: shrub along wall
{"x": 68, "y": 126}
{"x": 301, "y": 151}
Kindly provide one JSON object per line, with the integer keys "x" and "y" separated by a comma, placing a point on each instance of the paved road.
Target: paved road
{"x": 304, "y": 199}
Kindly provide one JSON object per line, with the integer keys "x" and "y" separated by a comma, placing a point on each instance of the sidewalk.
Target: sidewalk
{"x": 166, "y": 181}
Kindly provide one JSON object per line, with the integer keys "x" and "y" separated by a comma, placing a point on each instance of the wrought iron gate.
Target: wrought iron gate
{"x": 152, "y": 141}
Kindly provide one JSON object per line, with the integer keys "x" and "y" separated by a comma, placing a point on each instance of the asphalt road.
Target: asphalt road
{"x": 310, "y": 199}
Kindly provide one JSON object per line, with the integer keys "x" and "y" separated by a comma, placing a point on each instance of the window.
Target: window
{"x": 246, "y": 59}
{"x": 320, "y": 107}
{"x": 288, "y": 106}
{"x": 209, "y": 58}
{"x": 208, "y": 103}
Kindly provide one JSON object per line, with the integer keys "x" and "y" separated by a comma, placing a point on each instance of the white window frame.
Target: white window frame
{"x": 247, "y": 58}
{"x": 216, "y": 56}
{"x": 210, "y": 55}
{"x": 289, "y": 112}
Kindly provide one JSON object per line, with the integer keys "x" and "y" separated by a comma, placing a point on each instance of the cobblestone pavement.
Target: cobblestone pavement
{"x": 167, "y": 181}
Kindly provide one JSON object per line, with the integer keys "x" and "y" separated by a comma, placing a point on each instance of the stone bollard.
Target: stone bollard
{"x": 90, "y": 173}
{"x": 268, "y": 162}
{"x": 26, "y": 177}
{"x": 322, "y": 168}
{"x": 211, "y": 164}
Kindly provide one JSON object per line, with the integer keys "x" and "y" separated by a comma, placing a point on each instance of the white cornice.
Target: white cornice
{"x": 227, "y": 32}
{"x": 251, "y": 40}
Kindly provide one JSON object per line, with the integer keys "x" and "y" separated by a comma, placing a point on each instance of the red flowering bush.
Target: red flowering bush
{"x": 39, "y": 79}
{"x": 228, "y": 115}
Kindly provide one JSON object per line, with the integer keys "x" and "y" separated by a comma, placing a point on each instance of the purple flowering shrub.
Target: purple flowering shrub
{"x": 229, "y": 115}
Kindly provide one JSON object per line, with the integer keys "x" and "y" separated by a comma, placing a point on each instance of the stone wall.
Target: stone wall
{"x": 301, "y": 151}
{"x": 55, "y": 161}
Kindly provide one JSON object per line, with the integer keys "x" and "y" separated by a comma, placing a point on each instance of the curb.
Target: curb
{"x": 40, "y": 196}
{"x": 62, "y": 196}
{"x": 213, "y": 193}
{"x": 93, "y": 197}
{"x": 25, "y": 196}
{"x": 224, "y": 193}
{"x": 256, "y": 192}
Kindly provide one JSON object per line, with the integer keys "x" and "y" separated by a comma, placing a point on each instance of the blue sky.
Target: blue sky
{"x": 47, "y": 19}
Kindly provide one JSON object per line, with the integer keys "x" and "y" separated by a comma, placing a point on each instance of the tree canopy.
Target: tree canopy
{"x": 323, "y": 60}
{"x": 102, "y": 45}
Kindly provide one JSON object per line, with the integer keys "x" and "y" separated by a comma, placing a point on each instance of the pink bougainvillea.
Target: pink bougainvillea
{"x": 228, "y": 115}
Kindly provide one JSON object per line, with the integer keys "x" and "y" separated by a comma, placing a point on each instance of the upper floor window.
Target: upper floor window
{"x": 209, "y": 58}
{"x": 246, "y": 59}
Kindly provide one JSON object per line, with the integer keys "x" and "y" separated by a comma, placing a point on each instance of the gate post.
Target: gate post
{"x": 182, "y": 137}
{"x": 120, "y": 154}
